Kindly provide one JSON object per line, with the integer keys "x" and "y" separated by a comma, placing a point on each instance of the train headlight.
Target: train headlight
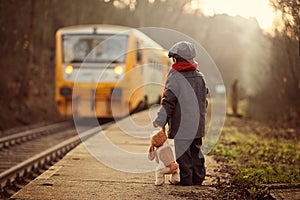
{"x": 69, "y": 69}
{"x": 118, "y": 70}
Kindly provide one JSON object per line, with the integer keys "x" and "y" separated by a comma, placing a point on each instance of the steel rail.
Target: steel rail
{"x": 29, "y": 134}
{"x": 8, "y": 177}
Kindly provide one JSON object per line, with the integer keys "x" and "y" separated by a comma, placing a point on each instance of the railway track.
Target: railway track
{"x": 31, "y": 134}
{"x": 26, "y": 155}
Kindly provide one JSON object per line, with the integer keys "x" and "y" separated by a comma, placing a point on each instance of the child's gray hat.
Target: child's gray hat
{"x": 183, "y": 49}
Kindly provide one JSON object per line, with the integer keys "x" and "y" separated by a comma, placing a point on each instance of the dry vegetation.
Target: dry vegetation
{"x": 259, "y": 157}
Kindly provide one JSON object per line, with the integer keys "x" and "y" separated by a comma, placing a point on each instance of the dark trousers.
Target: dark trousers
{"x": 191, "y": 161}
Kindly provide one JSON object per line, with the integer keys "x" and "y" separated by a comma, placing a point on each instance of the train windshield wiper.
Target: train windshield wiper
{"x": 101, "y": 61}
{"x": 76, "y": 61}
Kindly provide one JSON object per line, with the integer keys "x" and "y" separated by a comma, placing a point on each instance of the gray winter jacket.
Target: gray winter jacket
{"x": 184, "y": 105}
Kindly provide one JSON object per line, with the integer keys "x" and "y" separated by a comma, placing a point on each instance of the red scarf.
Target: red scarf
{"x": 185, "y": 66}
{"x": 181, "y": 66}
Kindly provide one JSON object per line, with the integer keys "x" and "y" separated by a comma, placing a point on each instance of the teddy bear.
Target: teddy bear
{"x": 161, "y": 151}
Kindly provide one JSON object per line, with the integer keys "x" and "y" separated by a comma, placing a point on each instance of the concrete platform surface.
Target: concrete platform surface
{"x": 113, "y": 165}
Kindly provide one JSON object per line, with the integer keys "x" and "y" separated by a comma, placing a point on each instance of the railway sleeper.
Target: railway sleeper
{"x": 19, "y": 141}
{"x": 43, "y": 164}
{"x": 15, "y": 186}
{"x": 6, "y": 193}
{"x": 12, "y": 186}
{"x": 21, "y": 181}
{"x": 19, "y": 185}
{"x": 9, "y": 189}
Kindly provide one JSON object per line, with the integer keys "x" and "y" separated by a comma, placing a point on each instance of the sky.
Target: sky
{"x": 259, "y": 9}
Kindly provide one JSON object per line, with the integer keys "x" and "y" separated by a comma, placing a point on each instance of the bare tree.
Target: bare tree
{"x": 282, "y": 90}
{"x": 24, "y": 84}
{"x": 290, "y": 10}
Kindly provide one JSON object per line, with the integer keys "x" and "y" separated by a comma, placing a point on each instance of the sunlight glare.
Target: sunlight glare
{"x": 259, "y": 9}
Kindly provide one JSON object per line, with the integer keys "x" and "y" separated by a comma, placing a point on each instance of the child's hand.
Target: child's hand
{"x": 155, "y": 125}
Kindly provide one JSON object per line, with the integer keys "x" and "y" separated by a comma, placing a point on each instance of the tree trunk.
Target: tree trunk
{"x": 26, "y": 75}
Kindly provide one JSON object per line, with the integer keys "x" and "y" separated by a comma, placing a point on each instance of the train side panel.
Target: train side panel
{"x": 63, "y": 89}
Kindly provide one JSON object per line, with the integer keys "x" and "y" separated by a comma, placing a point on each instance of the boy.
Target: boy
{"x": 184, "y": 108}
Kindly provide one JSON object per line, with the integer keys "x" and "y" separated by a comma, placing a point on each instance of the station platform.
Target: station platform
{"x": 82, "y": 174}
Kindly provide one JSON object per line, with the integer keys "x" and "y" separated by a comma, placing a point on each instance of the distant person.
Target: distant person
{"x": 183, "y": 107}
{"x": 234, "y": 98}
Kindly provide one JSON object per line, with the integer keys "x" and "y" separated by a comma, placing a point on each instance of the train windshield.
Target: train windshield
{"x": 94, "y": 48}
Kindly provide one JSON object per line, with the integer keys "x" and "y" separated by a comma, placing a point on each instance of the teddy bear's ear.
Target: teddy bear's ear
{"x": 151, "y": 154}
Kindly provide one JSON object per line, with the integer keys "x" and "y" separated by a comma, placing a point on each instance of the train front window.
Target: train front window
{"x": 94, "y": 48}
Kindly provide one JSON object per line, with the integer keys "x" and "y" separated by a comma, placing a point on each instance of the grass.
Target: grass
{"x": 259, "y": 156}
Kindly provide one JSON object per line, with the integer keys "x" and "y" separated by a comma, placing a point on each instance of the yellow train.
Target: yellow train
{"x": 107, "y": 71}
